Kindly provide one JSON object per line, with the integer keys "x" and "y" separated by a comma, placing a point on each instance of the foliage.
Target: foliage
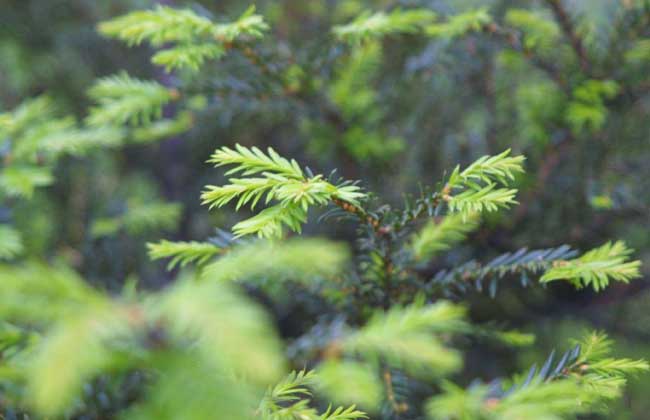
{"x": 597, "y": 267}
{"x": 578, "y": 382}
{"x": 189, "y": 39}
{"x": 124, "y": 99}
{"x": 282, "y": 180}
{"x": 389, "y": 319}
{"x": 460, "y": 24}
{"x": 371, "y": 25}
{"x": 183, "y": 253}
{"x": 436, "y": 237}
{"x": 491, "y": 171}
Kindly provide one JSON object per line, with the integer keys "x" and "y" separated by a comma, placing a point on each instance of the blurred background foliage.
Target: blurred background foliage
{"x": 565, "y": 83}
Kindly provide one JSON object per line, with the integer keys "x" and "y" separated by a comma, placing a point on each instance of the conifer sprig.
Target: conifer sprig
{"x": 405, "y": 337}
{"x": 183, "y": 253}
{"x": 123, "y": 99}
{"x": 290, "y": 398}
{"x": 249, "y": 161}
{"x": 375, "y": 25}
{"x": 482, "y": 186}
{"x": 460, "y": 24}
{"x": 11, "y": 243}
{"x": 523, "y": 263}
{"x": 597, "y": 267}
{"x": 576, "y": 383}
{"x": 282, "y": 181}
{"x": 193, "y": 38}
{"x": 440, "y": 236}
{"x": 500, "y": 168}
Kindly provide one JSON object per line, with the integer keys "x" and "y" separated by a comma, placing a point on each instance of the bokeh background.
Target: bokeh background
{"x": 396, "y": 114}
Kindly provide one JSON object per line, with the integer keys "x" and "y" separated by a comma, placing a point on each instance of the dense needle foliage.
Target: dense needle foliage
{"x": 323, "y": 210}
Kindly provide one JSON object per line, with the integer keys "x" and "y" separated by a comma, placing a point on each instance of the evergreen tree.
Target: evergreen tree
{"x": 268, "y": 319}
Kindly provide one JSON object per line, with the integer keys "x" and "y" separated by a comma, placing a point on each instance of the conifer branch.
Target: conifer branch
{"x": 193, "y": 38}
{"x": 376, "y": 25}
{"x": 477, "y": 187}
{"x": 123, "y": 99}
{"x": 403, "y": 337}
{"x": 440, "y": 236}
{"x": 564, "y": 388}
{"x": 289, "y": 399}
{"x": 523, "y": 263}
{"x": 11, "y": 244}
{"x": 301, "y": 260}
{"x": 461, "y": 24}
{"x": 282, "y": 181}
{"x": 183, "y": 253}
{"x": 597, "y": 267}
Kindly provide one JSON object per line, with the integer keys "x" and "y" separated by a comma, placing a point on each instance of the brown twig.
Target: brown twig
{"x": 512, "y": 39}
{"x": 568, "y": 28}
